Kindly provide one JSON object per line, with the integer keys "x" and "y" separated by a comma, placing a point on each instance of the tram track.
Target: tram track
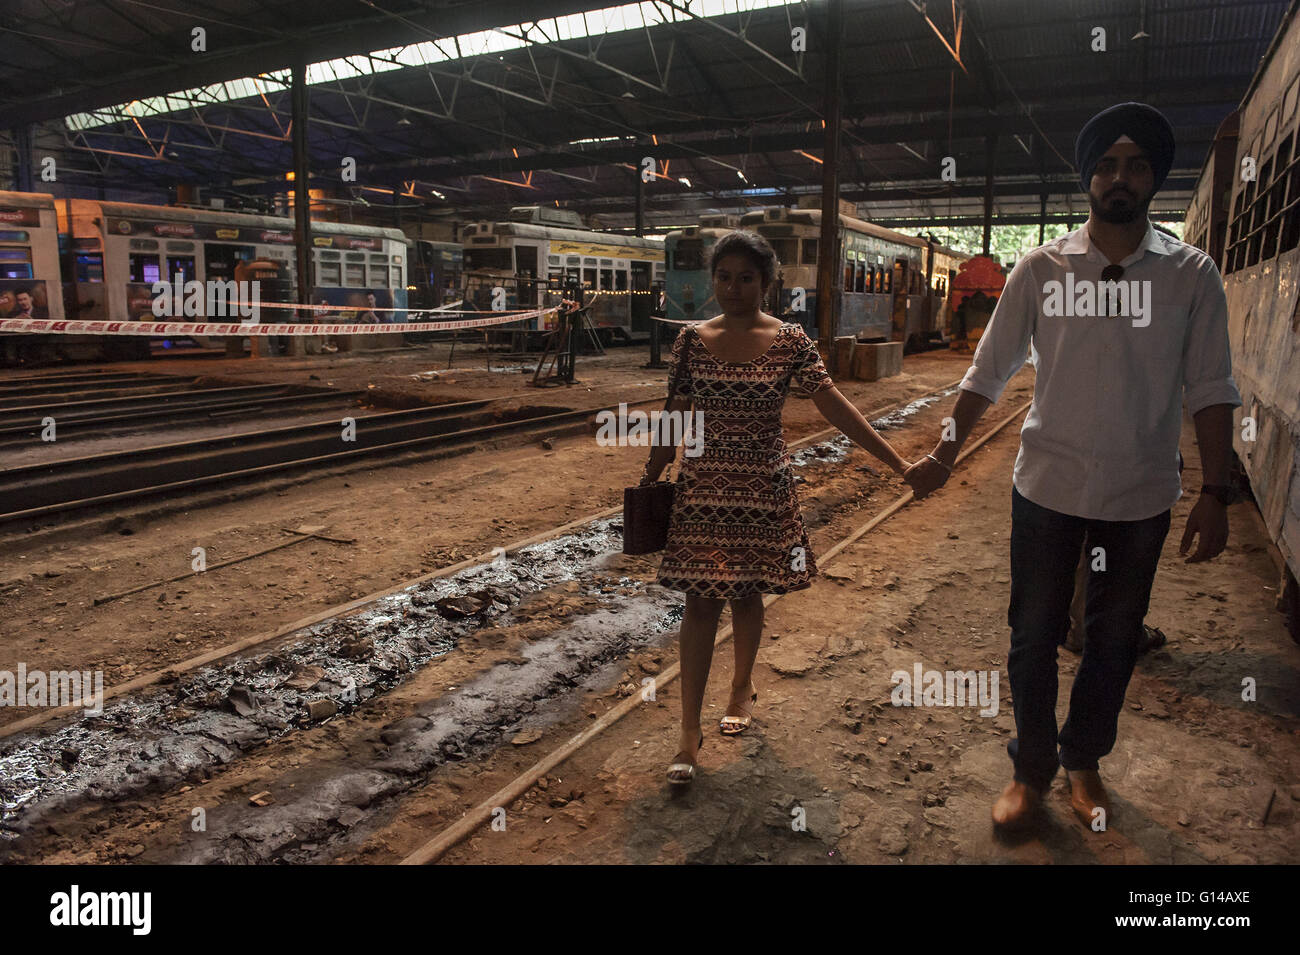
{"x": 482, "y": 813}
{"x": 324, "y": 624}
{"x": 56, "y": 394}
{"x": 43, "y": 490}
{"x": 273, "y": 636}
{"x": 168, "y": 408}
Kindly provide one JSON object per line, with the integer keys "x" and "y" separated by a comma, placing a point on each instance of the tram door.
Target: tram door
{"x": 900, "y": 287}
{"x": 641, "y": 298}
{"x": 526, "y": 274}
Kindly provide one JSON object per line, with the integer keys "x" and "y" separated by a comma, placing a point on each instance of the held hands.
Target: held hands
{"x": 1209, "y": 519}
{"x": 926, "y": 476}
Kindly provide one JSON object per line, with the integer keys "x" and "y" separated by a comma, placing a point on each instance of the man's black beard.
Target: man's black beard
{"x": 1119, "y": 216}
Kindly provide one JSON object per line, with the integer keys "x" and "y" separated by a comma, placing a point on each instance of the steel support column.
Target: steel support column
{"x": 301, "y": 182}
{"x": 24, "y": 180}
{"x": 829, "y": 275}
{"x": 991, "y": 152}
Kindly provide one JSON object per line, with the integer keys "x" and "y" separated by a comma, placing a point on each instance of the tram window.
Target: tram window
{"x": 378, "y": 276}
{"x": 477, "y": 259}
{"x": 573, "y": 260}
{"x": 396, "y": 279}
{"x": 591, "y": 262}
{"x": 182, "y": 265}
{"x": 329, "y": 274}
{"x": 1290, "y": 229}
{"x": 889, "y": 280}
{"x": 90, "y": 267}
{"x": 553, "y": 260}
{"x": 620, "y": 280}
{"x": 13, "y": 235}
{"x": 809, "y": 251}
{"x": 688, "y": 257}
{"x": 327, "y": 256}
{"x": 178, "y": 246}
{"x": 144, "y": 245}
{"x": 589, "y": 277}
{"x": 143, "y": 268}
{"x": 606, "y": 278}
{"x": 15, "y": 264}
{"x": 787, "y": 250}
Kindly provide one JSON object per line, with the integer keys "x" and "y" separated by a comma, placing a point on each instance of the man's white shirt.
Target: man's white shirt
{"x": 1101, "y": 437}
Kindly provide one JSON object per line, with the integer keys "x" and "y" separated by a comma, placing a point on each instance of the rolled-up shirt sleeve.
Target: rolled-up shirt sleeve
{"x": 1005, "y": 342}
{"x": 1207, "y": 356}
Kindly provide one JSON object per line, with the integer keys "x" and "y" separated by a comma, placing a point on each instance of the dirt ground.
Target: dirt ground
{"x": 1198, "y": 775}
{"x": 830, "y": 771}
{"x": 406, "y": 520}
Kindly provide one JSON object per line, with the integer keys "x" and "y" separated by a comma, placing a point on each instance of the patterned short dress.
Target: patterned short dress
{"x": 735, "y": 528}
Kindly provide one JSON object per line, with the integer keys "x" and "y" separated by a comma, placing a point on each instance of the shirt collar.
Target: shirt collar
{"x": 1079, "y": 242}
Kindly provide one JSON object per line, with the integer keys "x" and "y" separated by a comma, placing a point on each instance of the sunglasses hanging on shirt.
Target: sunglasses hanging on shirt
{"x": 1111, "y": 273}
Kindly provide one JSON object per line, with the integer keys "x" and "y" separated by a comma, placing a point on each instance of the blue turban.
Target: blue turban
{"x": 1143, "y": 124}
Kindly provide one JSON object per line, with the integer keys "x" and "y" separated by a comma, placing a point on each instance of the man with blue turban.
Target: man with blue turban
{"x": 1127, "y": 324}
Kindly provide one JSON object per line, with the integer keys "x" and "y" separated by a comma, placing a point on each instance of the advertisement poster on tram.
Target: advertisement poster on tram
{"x": 23, "y": 298}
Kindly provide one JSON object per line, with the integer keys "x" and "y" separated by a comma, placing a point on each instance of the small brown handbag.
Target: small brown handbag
{"x": 647, "y": 507}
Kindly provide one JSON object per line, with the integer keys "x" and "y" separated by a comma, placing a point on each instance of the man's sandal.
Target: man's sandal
{"x": 687, "y": 768}
{"x": 735, "y": 725}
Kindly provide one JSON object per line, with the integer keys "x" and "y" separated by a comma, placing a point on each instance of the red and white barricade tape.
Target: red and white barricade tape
{"x": 218, "y": 329}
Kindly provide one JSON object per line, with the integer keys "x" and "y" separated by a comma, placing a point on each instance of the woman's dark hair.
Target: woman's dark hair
{"x": 753, "y": 247}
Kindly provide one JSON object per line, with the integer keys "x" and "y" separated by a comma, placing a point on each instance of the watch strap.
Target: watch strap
{"x": 1224, "y": 493}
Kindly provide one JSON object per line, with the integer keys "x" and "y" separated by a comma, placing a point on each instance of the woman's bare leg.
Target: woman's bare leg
{"x": 746, "y": 634}
{"x": 698, "y": 631}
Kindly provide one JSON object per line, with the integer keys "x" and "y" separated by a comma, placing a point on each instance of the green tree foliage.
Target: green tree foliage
{"x": 1007, "y": 243}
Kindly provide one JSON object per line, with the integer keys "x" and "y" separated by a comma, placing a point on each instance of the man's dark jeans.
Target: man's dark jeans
{"x": 1044, "y": 553}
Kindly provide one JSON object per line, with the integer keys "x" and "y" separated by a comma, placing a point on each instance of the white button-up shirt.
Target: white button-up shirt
{"x": 1101, "y": 437}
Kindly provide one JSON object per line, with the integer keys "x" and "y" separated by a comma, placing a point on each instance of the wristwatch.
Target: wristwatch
{"x": 1223, "y": 493}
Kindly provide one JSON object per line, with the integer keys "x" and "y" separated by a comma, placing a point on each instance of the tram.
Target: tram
{"x": 31, "y": 281}
{"x": 540, "y": 251}
{"x": 894, "y": 287}
{"x": 1245, "y": 213}
{"x": 688, "y": 289}
{"x": 108, "y": 255}
{"x": 435, "y": 275}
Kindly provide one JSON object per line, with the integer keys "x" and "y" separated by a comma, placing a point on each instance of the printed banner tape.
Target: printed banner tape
{"x": 218, "y": 329}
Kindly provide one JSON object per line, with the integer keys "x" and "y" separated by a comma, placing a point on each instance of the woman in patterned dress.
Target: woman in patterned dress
{"x": 735, "y": 531}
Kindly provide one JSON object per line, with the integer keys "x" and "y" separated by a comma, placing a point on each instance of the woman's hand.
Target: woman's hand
{"x": 927, "y": 476}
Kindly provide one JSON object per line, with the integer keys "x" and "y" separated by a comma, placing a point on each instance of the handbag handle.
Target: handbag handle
{"x": 672, "y": 393}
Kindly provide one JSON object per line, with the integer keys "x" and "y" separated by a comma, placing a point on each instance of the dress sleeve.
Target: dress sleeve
{"x": 808, "y": 374}
{"x": 679, "y": 367}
